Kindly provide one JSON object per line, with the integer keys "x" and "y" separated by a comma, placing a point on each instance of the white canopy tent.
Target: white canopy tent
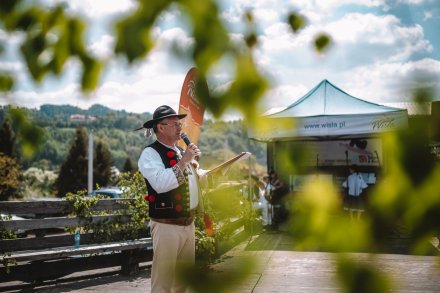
{"x": 327, "y": 112}
{"x": 335, "y": 128}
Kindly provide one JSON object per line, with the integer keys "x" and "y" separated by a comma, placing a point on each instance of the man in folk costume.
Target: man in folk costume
{"x": 172, "y": 178}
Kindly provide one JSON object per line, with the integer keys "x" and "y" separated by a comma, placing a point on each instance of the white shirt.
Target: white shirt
{"x": 163, "y": 179}
{"x": 355, "y": 184}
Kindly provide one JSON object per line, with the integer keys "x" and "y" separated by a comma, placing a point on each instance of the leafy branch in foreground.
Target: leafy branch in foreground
{"x": 53, "y": 37}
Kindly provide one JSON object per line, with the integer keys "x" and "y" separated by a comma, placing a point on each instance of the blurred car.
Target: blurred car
{"x": 112, "y": 192}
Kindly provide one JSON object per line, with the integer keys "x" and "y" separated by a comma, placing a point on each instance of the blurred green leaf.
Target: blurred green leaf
{"x": 248, "y": 87}
{"x": 29, "y": 18}
{"x": 322, "y": 42}
{"x": 7, "y": 6}
{"x": 296, "y": 21}
{"x": 243, "y": 94}
{"x": 211, "y": 37}
{"x": 55, "y": 17}
{"x": 91, "y": 73}
{"x": 291, "y": 156}
{"x": 415, "y": 155}
{"x": 31, "y": 137}
{"x": 134, "y": 40}
{"x": 6, "y": 82}
{"x": 249, "y": 17}
{"x": 358, "y": 276}
{"x": 250, "y": 36}
{"x": 251, "y": 40}
{"x": 75, "y": 27}
{"x": 60, "y": 52}
{"x": 31, "y": 49}
{"x": 202, "y": 280}
{"x": 134, "y": 33}
{"x": 318, "y": 222}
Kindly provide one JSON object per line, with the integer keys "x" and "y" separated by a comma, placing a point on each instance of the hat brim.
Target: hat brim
{"x": 152, "y": 122}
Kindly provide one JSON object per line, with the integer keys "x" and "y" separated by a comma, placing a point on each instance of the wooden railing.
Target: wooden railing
{"x": 47, "y": 252}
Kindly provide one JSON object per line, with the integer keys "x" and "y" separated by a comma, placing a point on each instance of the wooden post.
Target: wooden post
{"x": 130, "y": 262}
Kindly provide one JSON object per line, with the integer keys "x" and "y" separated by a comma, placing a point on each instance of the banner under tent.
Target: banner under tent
{"x": 336, "y": 130}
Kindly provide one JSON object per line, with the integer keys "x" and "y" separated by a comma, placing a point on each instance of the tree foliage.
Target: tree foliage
{"x": 72, "y": 176}
{"x": 7, "y": 139}
{"x": 128, "y": 166}
{"x": 10, "y": 177}
{"x": 102, "y": 163}
{"x": 10, "y": 171}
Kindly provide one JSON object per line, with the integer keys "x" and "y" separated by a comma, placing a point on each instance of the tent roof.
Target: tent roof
{"x": 328, "y": 112}
{"x": 328, "y": 100}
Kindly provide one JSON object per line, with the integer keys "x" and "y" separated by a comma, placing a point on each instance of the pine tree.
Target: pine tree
{"x": 128, "y": 166}
{"x": 102, "y": 163}
{"x": 7, "y": 139}
{"x": 10, "y": 170}
{"x": 73, "y": 171}
{"x": 10, "y": 177}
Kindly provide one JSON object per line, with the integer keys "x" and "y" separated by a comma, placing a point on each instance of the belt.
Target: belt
{"x": 182, "y": 221}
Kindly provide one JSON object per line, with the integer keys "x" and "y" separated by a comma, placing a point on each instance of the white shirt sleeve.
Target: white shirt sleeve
{"x": 152, "y": 168}
{"x": 362, "y": 182}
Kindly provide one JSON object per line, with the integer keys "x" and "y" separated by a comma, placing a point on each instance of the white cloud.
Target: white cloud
{"x": 427, "y": 15}
{"x": 371, "y": 58}
{"x": 329, "y": 5}
{"x": 12, "y": 38}
{"x": 138, "y": 88}
{"x": 144, "y": 86}
{"x": 411, "y": 1}
{"x": 96, "y": 8}
{"x": 13, "y": 67}
{"x": 378, "y": 83}
{"x": 283, "y": 95}
{"x": 385, "y": 31}
{"x": 358, "y": 39}
{"x": 174, "y": 37}
{"x": 389, "y": 82}
{"x": 319, "y": 11}
{"x": 279, "y": 37}
{"x": 34, "y": 98}
{"x": 103, "y": 47}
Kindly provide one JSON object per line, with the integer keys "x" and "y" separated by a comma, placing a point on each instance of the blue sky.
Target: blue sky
{"x": 380, "y": 47}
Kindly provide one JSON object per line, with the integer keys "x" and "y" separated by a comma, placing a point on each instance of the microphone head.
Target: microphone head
{"x": 185, "y": 138}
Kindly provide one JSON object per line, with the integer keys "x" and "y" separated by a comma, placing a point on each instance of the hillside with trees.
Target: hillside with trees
{"x": 113, "y": 130}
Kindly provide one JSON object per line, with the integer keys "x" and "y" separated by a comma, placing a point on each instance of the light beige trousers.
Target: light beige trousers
{"x": 172, "y": 246}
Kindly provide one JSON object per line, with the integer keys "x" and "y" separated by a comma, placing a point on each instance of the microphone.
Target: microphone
{"x": 187, "y": 141}
{"x": 185, "y": 138}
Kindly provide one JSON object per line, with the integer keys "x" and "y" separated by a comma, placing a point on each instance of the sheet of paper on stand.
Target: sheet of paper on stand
{"x": 225, "y": 166}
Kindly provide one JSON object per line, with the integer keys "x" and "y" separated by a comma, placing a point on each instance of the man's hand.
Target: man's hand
{"x": 191, "y": 152}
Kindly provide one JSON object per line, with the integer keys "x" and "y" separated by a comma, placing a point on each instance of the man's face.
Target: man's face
{"x": 171, "y": 128}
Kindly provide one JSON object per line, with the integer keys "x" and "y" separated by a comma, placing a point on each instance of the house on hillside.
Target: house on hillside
{"x": 81, "y": 118}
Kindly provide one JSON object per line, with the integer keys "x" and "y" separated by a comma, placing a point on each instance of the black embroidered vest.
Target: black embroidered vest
{"x": 174, "y": 203}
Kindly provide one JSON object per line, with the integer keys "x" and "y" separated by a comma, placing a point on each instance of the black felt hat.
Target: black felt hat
{"x": 161, "y": 113}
